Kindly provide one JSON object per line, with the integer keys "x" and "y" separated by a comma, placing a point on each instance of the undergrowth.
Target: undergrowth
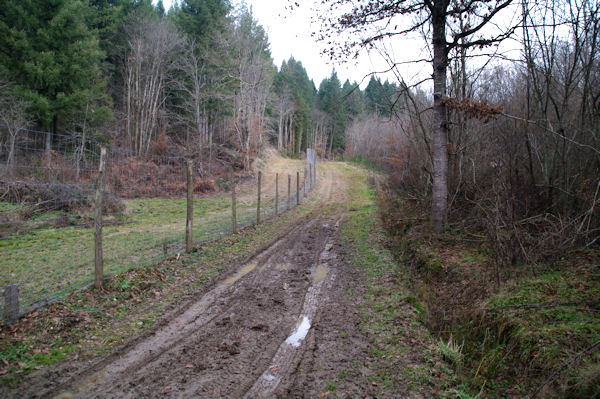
{"x": 532, "y": 330}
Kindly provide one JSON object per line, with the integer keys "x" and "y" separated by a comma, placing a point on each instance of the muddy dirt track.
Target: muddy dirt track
{"x": 269, "y": 328}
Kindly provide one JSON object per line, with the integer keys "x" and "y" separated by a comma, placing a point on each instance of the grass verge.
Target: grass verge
{"x": 407, "y": 356}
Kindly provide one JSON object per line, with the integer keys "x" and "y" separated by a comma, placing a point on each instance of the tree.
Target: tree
{"x": 201, "y": 19}
{"x": 388, "y": 20}
{"x": 331, "y": 102}
{"x": 52, "y": 56}
{"x": 14, "y": 117}
{"x": 154, "y": 47}
{"x": 296, "y": 93}
{"x": 252, "y": 73}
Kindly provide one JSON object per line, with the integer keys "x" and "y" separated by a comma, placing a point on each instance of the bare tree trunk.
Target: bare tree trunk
{"x": 439, "y": 200}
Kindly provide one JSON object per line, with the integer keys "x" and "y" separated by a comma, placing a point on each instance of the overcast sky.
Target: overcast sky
{"x": 290, "y": 35}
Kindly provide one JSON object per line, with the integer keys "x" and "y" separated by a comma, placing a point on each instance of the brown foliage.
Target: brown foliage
{"x": 481, "y": 110}
{"x": 135, "y": 177}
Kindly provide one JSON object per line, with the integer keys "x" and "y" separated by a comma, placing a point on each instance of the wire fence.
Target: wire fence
{"x": 47, "y": 208}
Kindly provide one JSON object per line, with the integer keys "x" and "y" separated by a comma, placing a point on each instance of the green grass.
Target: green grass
{"x": 390, "y": 313}
{"x": 541, "y": 322}
{"x": 7, "y": 206}
{"x": 133, "y": 300}
{"x": 513, "y": 336}
{"x": 53, "y": 261}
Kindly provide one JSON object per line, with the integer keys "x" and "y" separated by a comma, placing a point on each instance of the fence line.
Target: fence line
{"x": 44, "y": 265}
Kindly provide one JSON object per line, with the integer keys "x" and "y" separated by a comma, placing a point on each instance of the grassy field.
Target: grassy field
{"x": 50, "y": 261}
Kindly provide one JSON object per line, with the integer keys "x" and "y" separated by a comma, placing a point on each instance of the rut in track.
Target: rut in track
{"x": 246, "y": 336}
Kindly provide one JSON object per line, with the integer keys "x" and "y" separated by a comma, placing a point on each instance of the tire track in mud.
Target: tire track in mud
{"x": 242, "y": 338}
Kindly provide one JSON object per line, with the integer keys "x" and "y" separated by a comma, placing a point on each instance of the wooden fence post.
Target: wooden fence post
{"x": 289, "y": 190}
{"x": 297, "y": 187}
{"x": 258, "y": 203}
{"x": 233, "y": 210}
{"x": 189, "y": 221}
{"x": 11, "y": 303}
{"x": 98, "y": 259}
{"x": 276, "y": 194}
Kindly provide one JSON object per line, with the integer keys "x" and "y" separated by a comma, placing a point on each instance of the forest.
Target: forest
{"x": 485, "y": 172}
{"x": 198, "y": 78}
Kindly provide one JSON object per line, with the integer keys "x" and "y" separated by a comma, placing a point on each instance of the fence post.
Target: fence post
{"x": 276, "y": 194}
{"x": 233, "y": 210}
{"x": 304, "y": 183}
{"x": 189, "y": 221}
{"x": 98, "y": 259}
{"x": 11, "y": 303}
{"x": 297, "y": 187}
{"x": 258, "y": 203}
{"x": 289, "y": 190}
{"x": 310, "y": 182}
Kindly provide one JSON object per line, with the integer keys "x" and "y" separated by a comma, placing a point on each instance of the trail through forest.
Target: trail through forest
{"x": 268, "y": 328}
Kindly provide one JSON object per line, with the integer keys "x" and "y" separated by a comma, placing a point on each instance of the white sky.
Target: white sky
{"x": 290, "y": 35}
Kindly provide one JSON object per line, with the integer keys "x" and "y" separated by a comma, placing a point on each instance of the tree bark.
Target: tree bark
{"x": 439, "y": 201}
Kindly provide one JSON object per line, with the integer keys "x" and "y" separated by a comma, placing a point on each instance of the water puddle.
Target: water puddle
{"x": 84, "y": 386}
{"x": 300, "y": 332}
{"x": 320, "y": 273}
{"x": 245, "y": 270}
{"x": 284, "y": 266}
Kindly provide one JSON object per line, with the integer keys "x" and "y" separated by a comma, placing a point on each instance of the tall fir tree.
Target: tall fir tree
{"x": 331, "y": 102}
{"x": 52, "y": 56}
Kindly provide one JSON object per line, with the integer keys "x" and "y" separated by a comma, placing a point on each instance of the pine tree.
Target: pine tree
{"x": 52, "y": 56}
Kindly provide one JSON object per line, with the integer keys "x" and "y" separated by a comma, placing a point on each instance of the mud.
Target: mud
{"x": 283, "y": 324}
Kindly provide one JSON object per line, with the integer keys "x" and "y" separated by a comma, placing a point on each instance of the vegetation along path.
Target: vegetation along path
{"x": 318, "y": 312}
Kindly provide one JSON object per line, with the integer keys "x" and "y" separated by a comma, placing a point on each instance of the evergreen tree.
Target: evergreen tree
{"x": 52, "y": 56}
{"x": 331, "y": 102}
{"x": 201, "y": 18}
{"x": 354, "y": 102}
{"x": 292, "y": 80}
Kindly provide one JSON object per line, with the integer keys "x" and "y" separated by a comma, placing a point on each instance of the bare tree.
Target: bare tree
{"x": 14, "y": 117}
{"x": 193, "y": 87}
{"x": 154, "y": 46}
{"x": 253, "y": 72}
{"x": 401, "y": 17}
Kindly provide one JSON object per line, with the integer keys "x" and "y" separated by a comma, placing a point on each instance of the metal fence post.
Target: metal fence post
{"x": 276, "y": 194}
{"x": 233, "y": 210}
{"x": 304, "y": 183}
{"x": 189, "y": 222}
{"x": 289, "y": 190}
{"x": 11, "y": 303}
{"x": 258, "y": 203}
{"x": 98, "y": 259}
{"x": 297, "y": 187}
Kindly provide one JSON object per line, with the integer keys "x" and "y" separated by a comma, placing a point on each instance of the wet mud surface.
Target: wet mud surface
{"x": 254, "y": 335}
{"x": 283, "y": 324}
